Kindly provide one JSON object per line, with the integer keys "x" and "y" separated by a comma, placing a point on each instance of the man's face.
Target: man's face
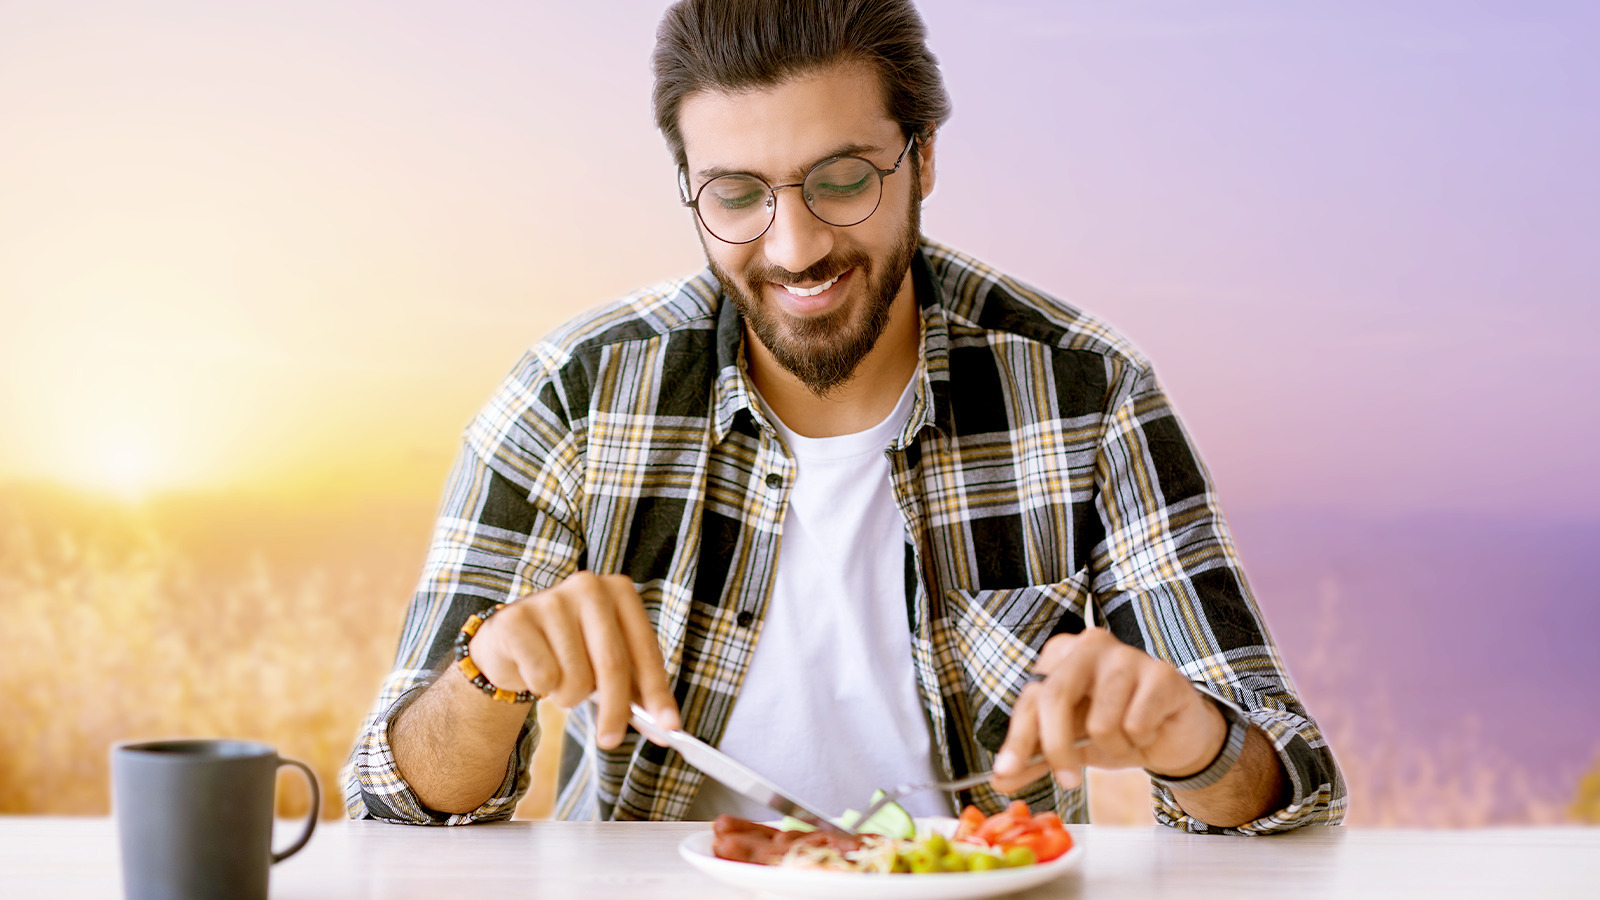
{"x": 779, "y": 133}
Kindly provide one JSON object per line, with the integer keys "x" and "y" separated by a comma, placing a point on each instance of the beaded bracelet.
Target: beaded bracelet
{"x": 470, "y": 669}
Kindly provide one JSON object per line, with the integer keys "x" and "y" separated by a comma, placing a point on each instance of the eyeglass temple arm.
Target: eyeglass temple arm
{"x": 683, "y": 187}
{"x": 688, "y": 200}
{"x": 915, "y": 137}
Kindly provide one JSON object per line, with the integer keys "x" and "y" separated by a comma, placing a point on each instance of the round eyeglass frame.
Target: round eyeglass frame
{"x": 772, "y": 192}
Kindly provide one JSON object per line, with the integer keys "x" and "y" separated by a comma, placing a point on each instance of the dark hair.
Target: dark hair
{"x": 736, "y": 45}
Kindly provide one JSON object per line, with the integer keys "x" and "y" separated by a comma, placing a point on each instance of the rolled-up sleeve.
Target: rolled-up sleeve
{"x": 505, "y": 529}
{"x": 1168, "y": 579}
{"x": 374, "y": 788}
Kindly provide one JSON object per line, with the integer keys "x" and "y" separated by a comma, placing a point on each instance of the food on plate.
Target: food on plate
{"x": 1015, "y": 837}
{"x": 1015, "y": 829}
{"x": 742, "y": 840}
{"x": 891, "y": 820}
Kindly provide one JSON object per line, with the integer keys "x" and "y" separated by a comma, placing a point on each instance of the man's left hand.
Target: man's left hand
{"x": 1136, "y": 711}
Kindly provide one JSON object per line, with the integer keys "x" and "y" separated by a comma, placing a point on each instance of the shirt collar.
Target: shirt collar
{"x": 734, "y": 392}
{"x": 930, "y": 406}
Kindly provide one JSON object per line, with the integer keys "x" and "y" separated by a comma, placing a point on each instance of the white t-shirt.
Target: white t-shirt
{"x": 830, "y": 708}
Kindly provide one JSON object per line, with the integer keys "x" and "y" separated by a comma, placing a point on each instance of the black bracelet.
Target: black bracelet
{"x": 470, "y": 669}
{"x": 1226, "y": 758}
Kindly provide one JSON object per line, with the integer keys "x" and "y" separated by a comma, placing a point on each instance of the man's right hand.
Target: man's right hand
{"x": 587, "y": 635}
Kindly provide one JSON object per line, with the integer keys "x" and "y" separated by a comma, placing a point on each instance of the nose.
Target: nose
{"x": 796, "y": 238}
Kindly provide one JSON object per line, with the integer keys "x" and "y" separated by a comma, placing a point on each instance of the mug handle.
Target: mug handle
{"x": 316, "y": 806}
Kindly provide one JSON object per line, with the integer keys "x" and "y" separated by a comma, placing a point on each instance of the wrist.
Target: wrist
{"x": 1226, "y": 756}
{"x": 505, "y": 690}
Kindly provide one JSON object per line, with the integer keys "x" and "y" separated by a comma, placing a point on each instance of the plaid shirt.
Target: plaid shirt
{"x": 1043, "y": 477}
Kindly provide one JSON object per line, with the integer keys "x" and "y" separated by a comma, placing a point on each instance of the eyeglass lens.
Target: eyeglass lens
{"x": 841, "y": 192}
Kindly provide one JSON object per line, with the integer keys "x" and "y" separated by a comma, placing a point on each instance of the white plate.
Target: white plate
{"x": 814, "y": 885}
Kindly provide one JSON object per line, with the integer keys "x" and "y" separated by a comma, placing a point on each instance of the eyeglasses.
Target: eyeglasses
{"x": 840, "y": 191}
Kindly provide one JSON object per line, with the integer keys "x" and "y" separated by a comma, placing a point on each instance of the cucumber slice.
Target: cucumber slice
{"x": 892, "y": 821}
{"x": 790, "y": 823}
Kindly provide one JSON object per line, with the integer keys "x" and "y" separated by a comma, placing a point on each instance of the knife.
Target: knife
{"x": 732, "y": 773}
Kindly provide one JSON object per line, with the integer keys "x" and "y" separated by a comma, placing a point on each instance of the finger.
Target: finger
{"x": 1153, "y": 704}
{"x": 1157, "y": 711}
{"x": 1114, "y": 685}
{"x": 559, "y": 620}
{"x": 1058, "y": 648}
{"x": 1065, "y": 701}
{"x": 1188, "y": 729}
{"x": 611, "y": 664}
{"x": 535, "y": 661}
{"x": 502, "y": 649}
{"x": 1021, "y": 744}
{"x": 649, "y": 669}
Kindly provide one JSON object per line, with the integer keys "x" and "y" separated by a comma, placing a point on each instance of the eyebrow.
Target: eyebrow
{"x": 798, "y": 174}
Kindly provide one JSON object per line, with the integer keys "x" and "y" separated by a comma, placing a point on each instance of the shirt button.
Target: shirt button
{"x": 774, "y": 480}
{"x": 744, "y": 619}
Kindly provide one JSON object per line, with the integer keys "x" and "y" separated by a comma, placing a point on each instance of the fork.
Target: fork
{"x": 973, "y": 780}
{"x": 959, "y": 784}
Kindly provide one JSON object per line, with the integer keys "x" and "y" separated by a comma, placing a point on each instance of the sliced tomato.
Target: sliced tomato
{"x": 969, "y": 822}
{"x": 996, "y": 825}
{"x": 1017, "y": 826}
{"x": 1011, "y": 836}
{"x": 1051, "y": 843}
{"x": 992, "y": 826}
{"x": 1032, "y": 840}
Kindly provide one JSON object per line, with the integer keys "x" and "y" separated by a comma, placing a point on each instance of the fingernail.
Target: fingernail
{"x": 1067, "y": 779}
{"x": 1006, "y": 761}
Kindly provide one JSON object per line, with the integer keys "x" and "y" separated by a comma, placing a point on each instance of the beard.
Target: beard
{"x": 824, "y": 351}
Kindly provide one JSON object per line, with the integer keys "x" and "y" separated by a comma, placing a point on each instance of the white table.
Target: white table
{"x": 66, "y": 859}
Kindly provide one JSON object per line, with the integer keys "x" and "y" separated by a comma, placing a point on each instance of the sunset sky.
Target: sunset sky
{"x": 249, "y": 242}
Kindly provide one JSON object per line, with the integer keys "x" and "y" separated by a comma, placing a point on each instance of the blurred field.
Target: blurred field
{"x": 275, "y": 620}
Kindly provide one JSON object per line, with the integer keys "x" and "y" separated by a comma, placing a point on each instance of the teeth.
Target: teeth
{"x": 811, "y": 292}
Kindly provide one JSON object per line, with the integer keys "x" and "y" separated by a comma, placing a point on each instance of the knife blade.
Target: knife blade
{"x": 730, "y": 772}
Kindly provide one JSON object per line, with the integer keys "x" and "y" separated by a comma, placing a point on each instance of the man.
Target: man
{"x": 845, "y": 504}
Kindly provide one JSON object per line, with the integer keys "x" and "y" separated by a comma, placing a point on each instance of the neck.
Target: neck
{"x": 858, "y": 404}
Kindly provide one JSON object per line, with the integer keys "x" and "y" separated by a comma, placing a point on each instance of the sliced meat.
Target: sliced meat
{"x": 742, "y": 840}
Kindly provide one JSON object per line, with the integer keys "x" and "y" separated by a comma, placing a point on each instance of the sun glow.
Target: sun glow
{"x": 126, "y": 465}
{"x": 128, "y": 461}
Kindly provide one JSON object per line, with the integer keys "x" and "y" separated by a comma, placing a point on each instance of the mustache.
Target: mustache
{"x": 821, "y": 270}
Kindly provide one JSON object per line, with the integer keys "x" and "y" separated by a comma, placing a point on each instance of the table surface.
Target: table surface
{"x": 68, "y": 858}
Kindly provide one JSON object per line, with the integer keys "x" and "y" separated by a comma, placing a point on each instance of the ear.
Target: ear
{"x": 925, "y": 159}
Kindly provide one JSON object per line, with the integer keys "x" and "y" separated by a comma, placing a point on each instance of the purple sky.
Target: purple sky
{"x": 1357, "y": 239}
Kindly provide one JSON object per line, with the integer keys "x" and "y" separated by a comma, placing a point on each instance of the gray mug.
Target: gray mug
{"x": 194, "y": 818}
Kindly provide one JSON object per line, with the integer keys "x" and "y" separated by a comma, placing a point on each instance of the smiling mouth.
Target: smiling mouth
{"x": 812, "y": 291}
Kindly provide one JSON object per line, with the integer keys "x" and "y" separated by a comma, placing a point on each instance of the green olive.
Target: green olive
{"x": 1020, "y": 856}
{"x": 922, "y": 862}
{"x": 981, "y": 862}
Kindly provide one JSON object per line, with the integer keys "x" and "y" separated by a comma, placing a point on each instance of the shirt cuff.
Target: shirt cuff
{"x": 374, "y": 788}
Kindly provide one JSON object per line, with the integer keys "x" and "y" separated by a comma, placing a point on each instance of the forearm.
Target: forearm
{"x": 452, "y": 745}
{"x": 1255, "y": 786}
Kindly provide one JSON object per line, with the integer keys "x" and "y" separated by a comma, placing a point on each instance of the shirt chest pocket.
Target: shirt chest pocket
{"x": 993, "y": 637}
